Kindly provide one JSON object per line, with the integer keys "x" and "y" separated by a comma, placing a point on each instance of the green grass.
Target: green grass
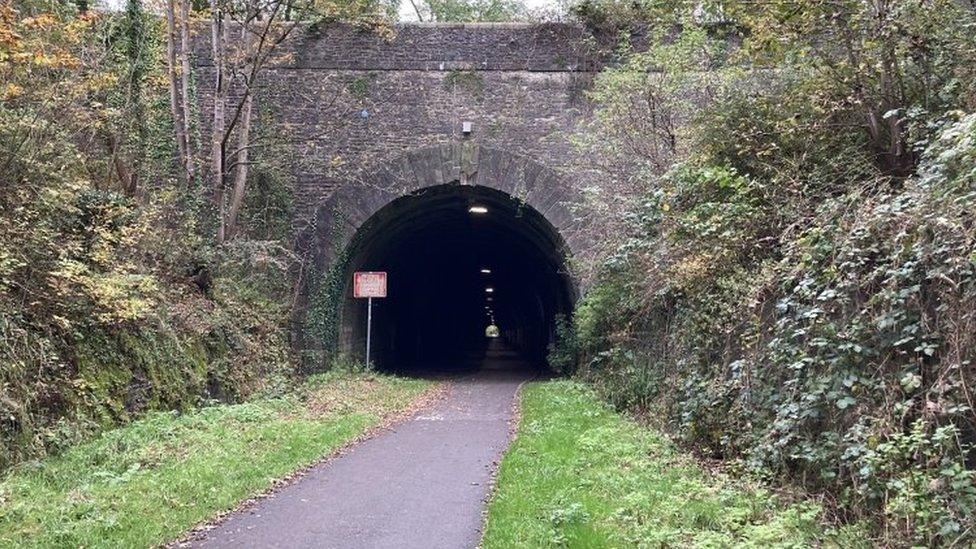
{"x": 151, "y": 481}
{"x": 581, "y": 475}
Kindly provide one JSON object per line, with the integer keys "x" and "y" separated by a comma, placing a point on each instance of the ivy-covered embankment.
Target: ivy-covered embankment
{"x": 843, "y": 363}
{"x": 788, "y": 279}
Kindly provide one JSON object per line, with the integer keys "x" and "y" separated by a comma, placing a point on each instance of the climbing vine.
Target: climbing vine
{"x": 467, "y": 80}
{"x": 322, "y": 324}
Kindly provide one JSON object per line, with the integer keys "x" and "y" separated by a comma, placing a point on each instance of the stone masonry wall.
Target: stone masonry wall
{"x": 361, "y": 119}
{"x": 347, "y": 99}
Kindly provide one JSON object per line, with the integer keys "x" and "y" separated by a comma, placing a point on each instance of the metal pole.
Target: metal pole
{"x": 369, "y": 326}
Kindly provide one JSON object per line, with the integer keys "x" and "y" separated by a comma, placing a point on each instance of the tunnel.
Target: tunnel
{"x": 470, "y": 270}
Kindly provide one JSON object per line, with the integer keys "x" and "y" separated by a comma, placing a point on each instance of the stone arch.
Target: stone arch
{"x": 338, "y": 219}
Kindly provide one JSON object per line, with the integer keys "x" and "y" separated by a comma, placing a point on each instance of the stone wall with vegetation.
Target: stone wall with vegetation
{"x": 364, "y": 115}
{"x": 347, "y": 100}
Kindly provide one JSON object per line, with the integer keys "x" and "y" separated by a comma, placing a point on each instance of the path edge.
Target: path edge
{"x": 423, "y": 401}
{"x": 513, "y": 428}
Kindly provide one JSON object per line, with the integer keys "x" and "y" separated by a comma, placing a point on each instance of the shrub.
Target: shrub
{"x": 837, "y": 356}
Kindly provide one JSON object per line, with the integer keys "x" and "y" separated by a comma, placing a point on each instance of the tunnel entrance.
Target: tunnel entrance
{"x": 465, "y": 264}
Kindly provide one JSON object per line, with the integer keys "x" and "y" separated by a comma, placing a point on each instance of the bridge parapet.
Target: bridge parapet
{"x": 542, "y": 47}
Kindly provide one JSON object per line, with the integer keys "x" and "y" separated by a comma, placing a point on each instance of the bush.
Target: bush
{"x": 113, "y": 302}
{"x": 563, "y": 350}
{"x": 839, "y": 359}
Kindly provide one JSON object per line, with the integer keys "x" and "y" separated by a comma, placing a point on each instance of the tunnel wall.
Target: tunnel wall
{"x": 339, "y": 99}
{"x": 442, "y": 260}
{"x": 360, "y": 116}
{"x": 341, "y": 217}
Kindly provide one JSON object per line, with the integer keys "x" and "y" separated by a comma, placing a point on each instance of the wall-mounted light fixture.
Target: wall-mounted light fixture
{"x": 478, "y": 210}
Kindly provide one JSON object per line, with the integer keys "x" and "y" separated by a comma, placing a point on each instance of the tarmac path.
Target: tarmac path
{"x": 422, "y": 484}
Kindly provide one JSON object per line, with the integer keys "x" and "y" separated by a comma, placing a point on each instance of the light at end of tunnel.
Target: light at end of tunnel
{"x": 486, "y": 271}
{"x": 478, "y": 210}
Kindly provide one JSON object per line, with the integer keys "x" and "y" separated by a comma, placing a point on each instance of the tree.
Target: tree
{"x": 791, "y": 292}
{"x": 886, "y": 65}
{"x": 258, "y": 27}
{"x": 244, "y": 39}
{"x": 468, "y": 11}
{"x": 178, "y": 65}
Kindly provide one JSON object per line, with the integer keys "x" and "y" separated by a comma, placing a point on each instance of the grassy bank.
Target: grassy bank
{"x": 581, "y": 475}
{"x": 151, "y": 481}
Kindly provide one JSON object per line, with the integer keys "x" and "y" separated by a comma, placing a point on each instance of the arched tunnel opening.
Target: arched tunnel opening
{"x": 474, "y": 277}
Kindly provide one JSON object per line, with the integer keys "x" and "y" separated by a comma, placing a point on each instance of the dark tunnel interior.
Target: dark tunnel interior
{"x": 459, "y": 259}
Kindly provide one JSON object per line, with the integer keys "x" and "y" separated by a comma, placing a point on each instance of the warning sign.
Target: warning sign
{"x": 369, "y": 284}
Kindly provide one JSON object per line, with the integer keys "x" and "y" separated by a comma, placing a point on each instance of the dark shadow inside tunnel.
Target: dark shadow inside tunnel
{"x": 461, "y": 261}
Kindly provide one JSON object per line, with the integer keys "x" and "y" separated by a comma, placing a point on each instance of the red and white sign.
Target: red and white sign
{"x": 369, "y": 284}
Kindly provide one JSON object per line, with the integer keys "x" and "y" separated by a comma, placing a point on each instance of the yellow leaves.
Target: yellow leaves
{"x": 691, "y": 269}
{"x": 10, "y": 42}
{"x": 385, "y": 30}
{"x": 42, "y": 22}
{"x": 11, "y": 91}
{"x": 101, "y": 81}
{"x": 58, "y": 59}
{"x": 9, "y": 38}
{"x": 61, "y": 322}
{"x": 118, "y": 295}
{"x": 122, "y": 297}
{"x": 19, "y": 58}
{"x": 44, "y": 41}
{"x": 78, "y": 27}
{"x": 157, "y": 80}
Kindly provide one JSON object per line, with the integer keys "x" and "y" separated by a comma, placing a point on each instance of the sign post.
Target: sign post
{"x": 369, "y": 284}
{"x": 369, "y": 326}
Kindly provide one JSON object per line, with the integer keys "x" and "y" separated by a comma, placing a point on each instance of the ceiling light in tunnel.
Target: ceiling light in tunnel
{"x": 478, "y": 210}
{"x": 486, "y": 271}
{"x": 489, "y": 290}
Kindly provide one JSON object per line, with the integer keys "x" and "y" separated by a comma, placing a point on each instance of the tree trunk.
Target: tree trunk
{"x": 128, "y": 179}
{"x": 185, "y": 88}
{"x": 176, "y": 102}
{"x": 219, "y": 37}
{"x": 240, "y": 174}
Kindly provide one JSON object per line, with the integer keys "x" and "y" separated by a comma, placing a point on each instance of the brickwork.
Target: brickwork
{"x": 378, "y": 118}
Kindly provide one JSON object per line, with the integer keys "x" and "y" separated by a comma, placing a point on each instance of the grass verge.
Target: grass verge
{"x": 581, "y": 475}
{"x": 151, "y": 481}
